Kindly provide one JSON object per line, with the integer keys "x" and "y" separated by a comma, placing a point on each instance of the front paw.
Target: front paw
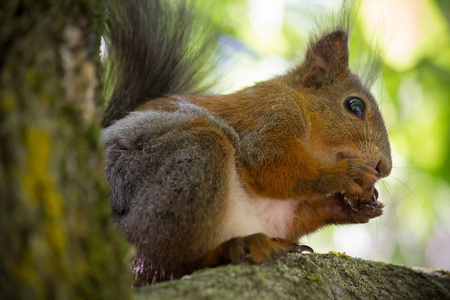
{"x": 358, "y": 181}
{"x": 352, "y": 212}
{"x": 350, "y": 177}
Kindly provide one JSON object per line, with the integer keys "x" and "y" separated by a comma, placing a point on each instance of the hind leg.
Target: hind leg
{"x": 169, "y": 184}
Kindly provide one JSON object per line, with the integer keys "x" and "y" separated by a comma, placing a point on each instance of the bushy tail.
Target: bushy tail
{"x": 153, "y": 48}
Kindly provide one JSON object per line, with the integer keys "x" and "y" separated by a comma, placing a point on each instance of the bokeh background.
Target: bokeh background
{"x": 265, "y": 37}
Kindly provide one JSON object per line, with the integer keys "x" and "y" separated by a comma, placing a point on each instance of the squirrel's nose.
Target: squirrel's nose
{"x": 384, "y": 166}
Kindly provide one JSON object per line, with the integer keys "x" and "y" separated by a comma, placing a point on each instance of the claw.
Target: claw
{"x": 238, "y": 259}
{"x": 375, "y": 192}
{"x": 278, "y": 255}
{"x": 348, "y": 202}
{"x": 306, "y": 248}
{"x": 378, "y": 204}
{"x": 295, "y": 248}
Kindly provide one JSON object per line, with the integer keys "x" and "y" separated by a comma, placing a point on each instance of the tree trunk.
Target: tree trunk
{"x": 306, "y": 276}
{"x": 56, "y": 241}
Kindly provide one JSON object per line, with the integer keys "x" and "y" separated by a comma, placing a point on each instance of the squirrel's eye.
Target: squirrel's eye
{"x": 355, "y": 106}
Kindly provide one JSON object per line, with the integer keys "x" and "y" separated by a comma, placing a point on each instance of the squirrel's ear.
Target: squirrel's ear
{"x": 325, "y": 59}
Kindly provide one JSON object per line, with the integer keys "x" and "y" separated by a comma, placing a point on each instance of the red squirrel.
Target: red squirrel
{"x": 204, "y": 180}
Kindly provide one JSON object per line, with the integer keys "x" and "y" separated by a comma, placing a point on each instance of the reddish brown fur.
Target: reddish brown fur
{"x": 299, "y": 124}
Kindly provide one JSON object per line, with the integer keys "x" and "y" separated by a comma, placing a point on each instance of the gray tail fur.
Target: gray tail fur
{"x": 154, "y": 48}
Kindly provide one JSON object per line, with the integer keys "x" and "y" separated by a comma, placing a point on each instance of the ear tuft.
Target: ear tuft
{"x": 325, "y": 58}
{"x": 332, "y": 48}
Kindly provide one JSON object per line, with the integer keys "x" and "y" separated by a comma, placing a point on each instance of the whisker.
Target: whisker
{"x": 404, "y": 185}
{"x": 387, "y": 189}
{"x": 398, "y": 123}
{"x": 407, "y": 170}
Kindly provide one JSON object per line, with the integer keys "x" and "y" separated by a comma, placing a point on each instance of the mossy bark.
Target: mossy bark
{"x": 306, "y": 276}
{"x": 56, "y": 240}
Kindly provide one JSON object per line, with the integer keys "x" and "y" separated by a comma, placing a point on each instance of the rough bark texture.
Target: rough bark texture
{"x": 306, "y": 276}
{"x": 56, "y": 239}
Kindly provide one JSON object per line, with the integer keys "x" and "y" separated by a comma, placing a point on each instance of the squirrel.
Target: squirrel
{"x": 204, "y": 180}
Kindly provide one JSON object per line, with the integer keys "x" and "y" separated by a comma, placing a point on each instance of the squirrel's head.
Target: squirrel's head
{"x": 345, "y": 121}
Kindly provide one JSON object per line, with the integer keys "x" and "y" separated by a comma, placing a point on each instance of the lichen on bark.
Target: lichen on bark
{"x": 306, "y": 276}
{"x": 56, "y": 239}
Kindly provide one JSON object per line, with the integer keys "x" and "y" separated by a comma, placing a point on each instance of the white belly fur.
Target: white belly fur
{"x": 248, "y": 214}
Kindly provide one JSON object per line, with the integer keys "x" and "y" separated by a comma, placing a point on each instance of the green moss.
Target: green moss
{"x": 32, "y": 78}
{"x": 40, "y": 186}
{"x": 25, "y": 274}
{"x": 314, "y": 278}
{"x": 8, "y": 103}
{"x": 333, "y": 277}
{"x": 339, "y": 254}
{"x": 262, "y": 276}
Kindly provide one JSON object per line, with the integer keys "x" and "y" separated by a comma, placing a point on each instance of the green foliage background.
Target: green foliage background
{"x": 264, "y": 37}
